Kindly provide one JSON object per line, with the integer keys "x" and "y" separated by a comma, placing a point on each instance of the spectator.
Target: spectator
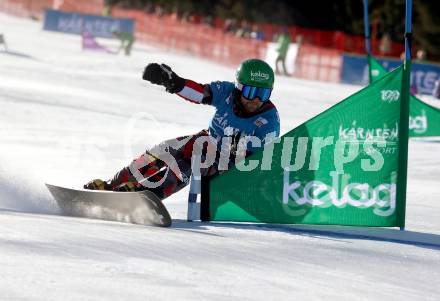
{"x": 149, "y": 8}
{"x": 185, "y": 17}
{"x": 159, "y": 10}
{"x": 230, "y": 26}
{"x": 402, "y": 56}
{"x": 208, "y": 20}
{"x": 244, "y": 31}
{"x": 421, "y": 55}
{"x": 385, "y": 44}
{"x": 256, "y": 33}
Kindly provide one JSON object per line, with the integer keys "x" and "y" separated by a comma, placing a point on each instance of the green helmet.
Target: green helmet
{"x": 255, "y": 72}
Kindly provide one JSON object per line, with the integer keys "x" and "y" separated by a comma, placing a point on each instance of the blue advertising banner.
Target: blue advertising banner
{"x": 355, "y": 71}
{"x": 76, "y": 23}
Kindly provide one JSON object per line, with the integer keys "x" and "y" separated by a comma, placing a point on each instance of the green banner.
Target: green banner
{"x": 424, "y": 119}
{"x": 340, "y": 167}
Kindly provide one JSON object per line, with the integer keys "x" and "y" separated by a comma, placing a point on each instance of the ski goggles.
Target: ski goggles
{"x": 250, "y": 92}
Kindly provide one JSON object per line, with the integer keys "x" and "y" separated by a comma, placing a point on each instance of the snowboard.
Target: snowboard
{"x": 142, "y": 207}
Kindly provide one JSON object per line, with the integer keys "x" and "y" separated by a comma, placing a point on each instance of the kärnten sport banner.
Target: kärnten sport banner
{"x": 340, "y": 167}
{"x": 424, "y": 119}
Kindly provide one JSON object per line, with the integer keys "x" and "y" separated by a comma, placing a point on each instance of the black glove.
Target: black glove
{"x": 164, "y": 76}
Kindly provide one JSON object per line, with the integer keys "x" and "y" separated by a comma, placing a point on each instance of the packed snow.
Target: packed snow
{"x": 68, "y": 116}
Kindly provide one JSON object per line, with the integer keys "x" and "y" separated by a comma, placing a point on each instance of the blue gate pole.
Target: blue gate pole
{"x": 367, "y": 28}
{"x": 404, "y": 120}
{"x": 408, "y": 30}
{"x": 367, "y": 39}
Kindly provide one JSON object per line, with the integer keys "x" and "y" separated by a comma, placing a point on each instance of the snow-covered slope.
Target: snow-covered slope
{"x": 68, "y": 116}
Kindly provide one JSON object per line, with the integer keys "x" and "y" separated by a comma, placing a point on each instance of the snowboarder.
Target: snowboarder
{"x": 127, "y": 40}
{"x": 243, "y": 109}
{"x": 282, "y": 49}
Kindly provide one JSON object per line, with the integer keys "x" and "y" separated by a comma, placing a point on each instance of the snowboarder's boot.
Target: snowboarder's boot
{"x": 98, "y": 184}
{"x": 128, "y": 187}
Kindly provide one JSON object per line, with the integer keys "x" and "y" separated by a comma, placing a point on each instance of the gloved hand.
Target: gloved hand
{"x": 164, "y": 76}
